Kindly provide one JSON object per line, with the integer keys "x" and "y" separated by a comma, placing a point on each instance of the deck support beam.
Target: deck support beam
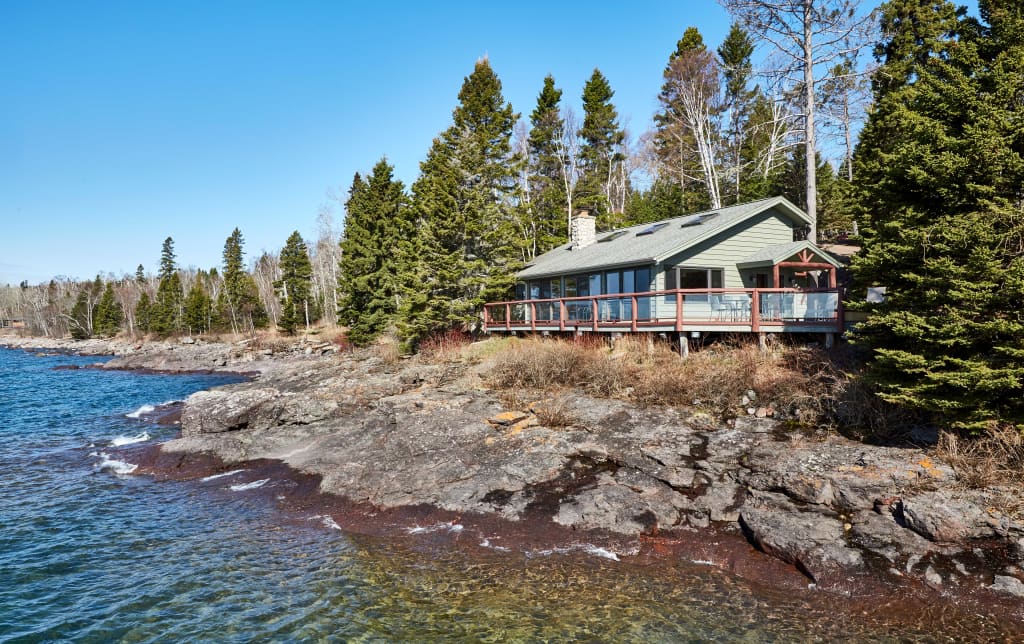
{"x": 762, "y": 340}
{"x": 684, "y": 346}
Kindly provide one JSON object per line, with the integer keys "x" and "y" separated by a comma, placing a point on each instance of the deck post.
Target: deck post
{"x": 762, "y": 340}
{"x": 830, "y": 340}
{"x": 508, "y": 317}
{"x": 632, "y": 326}
{"x": 755, "y": 312}
{"x": 593, "y": 312}
{"x": 533, "y": 316}
{"x": 679, "y": 312}
{"x": 684, "y": 346}
{"x": 561, "y": 315}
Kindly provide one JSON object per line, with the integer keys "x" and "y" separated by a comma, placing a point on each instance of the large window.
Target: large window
{"x": 699, "y": 277}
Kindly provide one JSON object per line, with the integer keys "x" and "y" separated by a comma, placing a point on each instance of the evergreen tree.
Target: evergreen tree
{"x": 165, "y": 314}
{"x": 548, "y": 221}
{"x": 464, "y": 253}
{"x": 108, "y": 315}
{"x": 374, "y": 254}
{"x": 140, "y": 275}
{"x": 601, "y": 151}
{"x": 737, "y": 71}
{"x": 675, "y": 146}
{"x": 239, "y": 300}
{"x": 81, "y": 317}
{"x": 197, "y": 308}
{"x": 940, "y": 168}
{"x": 296, "y": 285}
{"x": 663, "y": 200}
{"x": 143, "y": 313}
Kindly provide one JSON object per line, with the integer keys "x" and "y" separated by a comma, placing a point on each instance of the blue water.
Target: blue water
{"x": 90, "y": 555}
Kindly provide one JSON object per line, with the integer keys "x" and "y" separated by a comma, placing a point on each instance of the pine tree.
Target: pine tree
{"x": 239, "y": 302}
{"x": 197, "y": 308}
{"x": 547, "y": 217}
{"x": 144, "y": 313}
{"x": 675, "y": 145}
{"x": 464, "y": 253}
{"x": 295, "y": 286}
{"x": 165, "y": 314}
{"x": 737, "y": 71}
{"x": 81, "y": 317}
{"x": 940, "y": 168}
{"x": 601, "y": 153}
{"x": 374, "y": 254}
{"x": 108, "y": 315}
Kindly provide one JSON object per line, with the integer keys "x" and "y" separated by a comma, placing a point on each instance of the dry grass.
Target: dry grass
{"x": 554, "y": 412}
{"x": 796, "y": 382}
{"x": 994, "y": 458}
{"x": 445, "y": 347}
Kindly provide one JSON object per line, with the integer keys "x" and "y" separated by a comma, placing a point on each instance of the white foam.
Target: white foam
{"x": 114, "y": 466}
{"x": 222, "y": 475}
{"x": 451, "y": 526}
{"x": 330, "y": 523}
{"x": 145, "y": 409}
{"x": 129, "y": 440}
{"x": 587, "y": 548}
{"x": 600, "y": 552}
{"x": 486, "y": 543}
{"x": 249, "y": 486}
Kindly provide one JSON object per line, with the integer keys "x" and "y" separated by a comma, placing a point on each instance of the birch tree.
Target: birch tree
{"x": 808, "y": 37}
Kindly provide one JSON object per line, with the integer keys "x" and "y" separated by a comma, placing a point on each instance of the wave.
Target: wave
{"x": 221, "y": 475}
{"x": 486, "y": 543}
{"x": 145, "y": 409}
{"x": 451, "y": 526}
{"x": 326, "y": 520}
{"x": 587, "y": 548}
{"x": 249, "y": 486}
{"x": 114, "y": 466}
{"x": 129, "y": 440}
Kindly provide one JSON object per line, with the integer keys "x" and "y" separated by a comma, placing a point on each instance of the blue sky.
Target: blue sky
{"x": 123, "y": 123}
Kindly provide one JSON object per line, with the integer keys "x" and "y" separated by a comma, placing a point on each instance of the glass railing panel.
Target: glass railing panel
{"x": 696, "y": 306}
{"x": 520, "y": 312}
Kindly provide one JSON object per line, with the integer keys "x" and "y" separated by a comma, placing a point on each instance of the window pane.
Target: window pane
{"x": 582, "y": 285}
{"x": 612, "y": 282}
{"x": 556, "y": 287}
{"x": 520, "y": 290}
{"x": 693, "y": 278}
{"x": 716, "y": 278}
{"x": 570, "y": 287}
{"x": 628, "y": 282}
{"x": 534, "y": 290}
{"x": 643, "y": 280}
{"x": 595, "y": 284}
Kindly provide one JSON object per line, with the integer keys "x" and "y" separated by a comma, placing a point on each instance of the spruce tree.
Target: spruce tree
{"x": 144, "y": 313}
{"x": 165, "y": 314}
{"x": 81, "y": 317}
{"x": 737, "y": 70}
{"x": 464, "y": 253}
{"x": 108, "y": 316}
{"x": 197, "y": 308}
{"x": 600, "y": 150}
{"x": 940, "y": 168}
{"x": 239, "y": 303}
{"x": 296, "y": 285}
{"x": 548, "y": 221}
{"x": 374, "y": 254}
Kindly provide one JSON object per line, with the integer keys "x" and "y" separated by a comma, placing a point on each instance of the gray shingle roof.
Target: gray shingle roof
{"x": 781, "y": 252}
{"x": 631, "y": 249}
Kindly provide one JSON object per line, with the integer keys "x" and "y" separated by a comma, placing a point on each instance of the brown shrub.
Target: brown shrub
{"x": 994, "y": 458}
{"x": 445, "y": 347}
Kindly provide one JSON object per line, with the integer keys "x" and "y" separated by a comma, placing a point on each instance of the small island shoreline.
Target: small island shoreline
{"x": 380, "y": 448}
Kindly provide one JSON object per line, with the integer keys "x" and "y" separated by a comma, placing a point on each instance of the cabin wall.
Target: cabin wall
{"x": 730, "y": 246}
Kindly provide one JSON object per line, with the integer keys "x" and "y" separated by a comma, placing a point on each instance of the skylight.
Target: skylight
{"x": 614, "y": 235}
{"x": 652, "y": 228}
{"x": 698, "y": 219}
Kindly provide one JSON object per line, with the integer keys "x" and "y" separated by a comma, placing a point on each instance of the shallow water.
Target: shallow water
{"x": 93, "y": 555}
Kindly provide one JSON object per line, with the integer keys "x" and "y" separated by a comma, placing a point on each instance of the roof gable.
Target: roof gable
{"x": 777, "y": 253}
{"x": 654, "y": 242}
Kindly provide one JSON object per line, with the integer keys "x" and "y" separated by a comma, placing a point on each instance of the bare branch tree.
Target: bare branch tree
{"x": 808, "y": 35}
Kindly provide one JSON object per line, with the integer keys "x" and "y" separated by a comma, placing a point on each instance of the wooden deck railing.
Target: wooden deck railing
{"x": 742, "y": 310}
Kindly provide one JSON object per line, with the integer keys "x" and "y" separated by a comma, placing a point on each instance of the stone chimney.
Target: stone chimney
{"x": 583, "y": 230}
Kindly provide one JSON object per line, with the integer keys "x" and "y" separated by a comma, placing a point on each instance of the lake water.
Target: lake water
{"x": 91, "y": 553}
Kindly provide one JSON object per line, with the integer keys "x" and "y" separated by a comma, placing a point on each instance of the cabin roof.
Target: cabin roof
{"x": 653, "y": 242}
{"x": 770, "y": 255}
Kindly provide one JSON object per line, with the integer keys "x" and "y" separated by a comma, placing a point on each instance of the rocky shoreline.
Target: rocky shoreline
{"x": 374, "y": 441}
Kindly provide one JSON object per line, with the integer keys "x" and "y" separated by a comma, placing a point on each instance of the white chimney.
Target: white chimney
{"x": 583, "y": 231}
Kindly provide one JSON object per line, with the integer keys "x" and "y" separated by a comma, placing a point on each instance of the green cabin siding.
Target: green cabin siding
{"x": 731, "y": 246}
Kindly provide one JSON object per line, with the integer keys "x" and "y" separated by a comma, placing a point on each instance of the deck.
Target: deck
{"x": 753, "y": 310}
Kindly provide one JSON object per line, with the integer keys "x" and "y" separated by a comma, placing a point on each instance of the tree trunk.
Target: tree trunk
{"x": 810, "y": 143}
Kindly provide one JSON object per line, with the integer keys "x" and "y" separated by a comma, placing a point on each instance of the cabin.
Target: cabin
{"x": 747, "y": 268}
